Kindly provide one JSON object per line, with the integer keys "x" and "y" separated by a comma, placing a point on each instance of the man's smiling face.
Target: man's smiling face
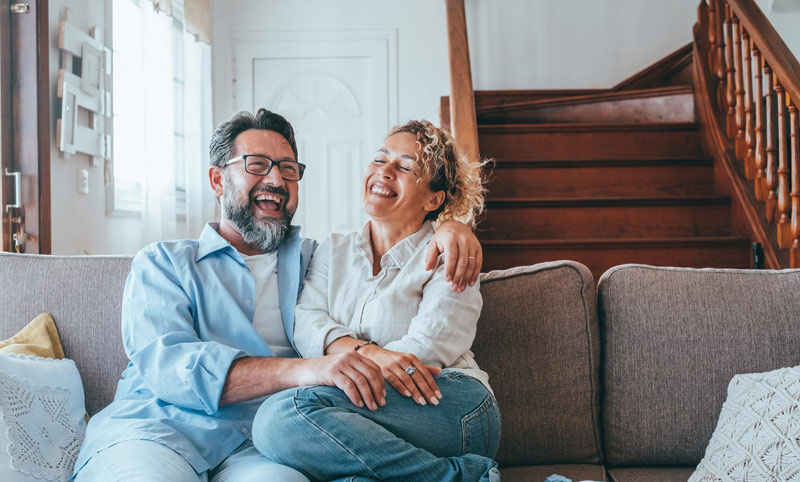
{"x": 260, "y": 207}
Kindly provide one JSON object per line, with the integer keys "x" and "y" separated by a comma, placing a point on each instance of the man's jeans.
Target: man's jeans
{"x": 146, "y": 461}
{"x": 318, "y": 431}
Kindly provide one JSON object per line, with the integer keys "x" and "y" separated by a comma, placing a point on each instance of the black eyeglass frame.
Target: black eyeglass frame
{"x": 272, "y": 163}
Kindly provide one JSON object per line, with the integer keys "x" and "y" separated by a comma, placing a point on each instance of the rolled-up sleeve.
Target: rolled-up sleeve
{"x": 445, "y": 325}
{"x": 314, "y": 328}
{"x": 160, "y": 339}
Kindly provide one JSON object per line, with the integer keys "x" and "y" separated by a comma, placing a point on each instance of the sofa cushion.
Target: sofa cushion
{"x": 672, "y": 340}
{"x": 538, "y": 473}
{"x": 650, "y": 474}
{"x": 84, "y": 296}
{"x": 538, "y": 340}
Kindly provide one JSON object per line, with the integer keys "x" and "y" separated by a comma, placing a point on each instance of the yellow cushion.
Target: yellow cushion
{"x": 38, "y": 338}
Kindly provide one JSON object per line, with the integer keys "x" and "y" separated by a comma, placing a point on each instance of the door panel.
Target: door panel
{"x": 25, "y": 128}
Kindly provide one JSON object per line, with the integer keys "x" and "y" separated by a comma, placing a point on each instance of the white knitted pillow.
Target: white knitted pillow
{"x": 41, "y": 418}
{"x": 758, "y": 432}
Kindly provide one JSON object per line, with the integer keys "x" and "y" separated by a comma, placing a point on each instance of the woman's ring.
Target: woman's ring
{"x": 410, "y": 370}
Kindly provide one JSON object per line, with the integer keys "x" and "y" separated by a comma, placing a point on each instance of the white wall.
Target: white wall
{"x": 785, "y": 17}
{"x": 568, "y": 44}
{"x": 79, "y": 221}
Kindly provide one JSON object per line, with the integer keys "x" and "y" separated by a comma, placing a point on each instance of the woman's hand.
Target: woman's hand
{"x": 420, "y": 385}
{"x": 463, "y": 254}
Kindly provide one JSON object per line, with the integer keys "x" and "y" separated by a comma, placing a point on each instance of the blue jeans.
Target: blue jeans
{"x": 318, "y": 431}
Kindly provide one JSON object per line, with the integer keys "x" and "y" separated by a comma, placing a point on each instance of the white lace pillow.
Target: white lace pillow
{"x": 757, "y": 435}
{"x": 41, "y": 418}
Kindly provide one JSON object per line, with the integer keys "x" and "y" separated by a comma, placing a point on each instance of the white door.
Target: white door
{"x": 338, "y": 89}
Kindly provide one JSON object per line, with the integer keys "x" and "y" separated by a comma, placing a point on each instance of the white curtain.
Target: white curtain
{"x": 163, "y": 122}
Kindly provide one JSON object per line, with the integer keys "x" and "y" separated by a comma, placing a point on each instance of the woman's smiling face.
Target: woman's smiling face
{"x": 395, "y": 188}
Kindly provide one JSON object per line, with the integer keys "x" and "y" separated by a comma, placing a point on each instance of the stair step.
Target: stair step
{"x": 519, "y": 218}
{"x": 602, "y": 178}
{"x": 601, "y": 254}
{"x": 530, "y": 142}
{"x": 659, "y": 105}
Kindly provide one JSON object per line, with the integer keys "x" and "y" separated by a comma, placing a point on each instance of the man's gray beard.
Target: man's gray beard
{"x": 266, "y": 234}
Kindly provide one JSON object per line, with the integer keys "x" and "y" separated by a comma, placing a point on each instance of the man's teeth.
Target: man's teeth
{"x": 268, "y": 197}
{"x": 380, "y": 190}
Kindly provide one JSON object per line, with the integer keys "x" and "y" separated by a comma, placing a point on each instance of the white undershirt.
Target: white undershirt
{"x": 267, "y": 319}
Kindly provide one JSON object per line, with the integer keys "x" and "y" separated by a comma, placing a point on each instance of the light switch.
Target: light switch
{"x": 83, "y": 181}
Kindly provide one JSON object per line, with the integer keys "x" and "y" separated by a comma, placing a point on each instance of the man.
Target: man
{"x": 205, "y": 324}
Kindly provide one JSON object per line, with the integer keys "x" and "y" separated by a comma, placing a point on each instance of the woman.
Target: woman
{"x": 370, "y": 292}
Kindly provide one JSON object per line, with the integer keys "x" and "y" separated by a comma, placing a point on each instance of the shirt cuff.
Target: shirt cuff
{"x": 205, "y": 373}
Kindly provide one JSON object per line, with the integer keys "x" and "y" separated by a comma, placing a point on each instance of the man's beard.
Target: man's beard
{"x": 266, "y": 233}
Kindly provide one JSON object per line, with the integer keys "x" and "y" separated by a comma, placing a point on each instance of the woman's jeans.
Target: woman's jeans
{"x": 318, "y": 431}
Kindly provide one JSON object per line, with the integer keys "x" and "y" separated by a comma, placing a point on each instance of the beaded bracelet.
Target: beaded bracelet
{"x": 363, "y": 345}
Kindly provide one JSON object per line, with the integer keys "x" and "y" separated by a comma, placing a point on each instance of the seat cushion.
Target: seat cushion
{"x": 538, "y": 340}
{"x": 651, "y": 474}
{"x": 84, "y": 296}
{"x": 537, "y": 473}
{"x": 672, "y": 340}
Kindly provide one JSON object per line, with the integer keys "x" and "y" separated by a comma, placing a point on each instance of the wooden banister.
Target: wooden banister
{"x": 747, "y": 90}
{"x": 463, "y": 122}
{"x": 774, "y": 50}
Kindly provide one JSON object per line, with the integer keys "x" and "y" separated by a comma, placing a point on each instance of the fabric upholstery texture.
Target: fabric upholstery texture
{"x": 537, "y": 473}
{"x": 37, "y": 338}
{"x": 41, "y": 418}
{"x": 651, "y": 474}
{"x": 672, "y": 340}
{"x": 538, "y": 340}
{"x": 84, "y": 295}
{"x": 758, "y": 429}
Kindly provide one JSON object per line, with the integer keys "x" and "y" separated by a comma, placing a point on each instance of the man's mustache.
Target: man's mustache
{"x": 270, "y": 189}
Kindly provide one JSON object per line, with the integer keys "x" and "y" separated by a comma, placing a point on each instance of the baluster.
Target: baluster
{"x": 794, "y": 254}
{"x": 749, "y": 130}
{"x": 737, "y": 59}
{"x": 760, "y": 161}
{"x": 712, "y": 32}
{"x": 772, "y": 149}
{"x": 730, "y": 95}
{"x": 719, "y": 64}
{"x": 784, "y": 206}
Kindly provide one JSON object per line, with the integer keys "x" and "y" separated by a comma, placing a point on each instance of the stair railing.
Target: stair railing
{"x": 463, "y": 121}
{"x": 754, "y": 80}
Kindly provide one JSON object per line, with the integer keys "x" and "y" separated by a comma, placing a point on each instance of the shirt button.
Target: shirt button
{"x": 244, "y": 429}
{"x": 247, "y": 302}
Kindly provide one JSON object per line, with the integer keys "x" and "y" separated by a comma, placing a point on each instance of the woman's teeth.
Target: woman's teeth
{"x": 381, "y": 191}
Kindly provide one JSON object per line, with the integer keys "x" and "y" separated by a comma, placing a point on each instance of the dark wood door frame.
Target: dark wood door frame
{"x": 25, "y": 120}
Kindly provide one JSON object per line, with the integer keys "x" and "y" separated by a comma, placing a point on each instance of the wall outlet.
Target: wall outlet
{"x": 83, "y": 181}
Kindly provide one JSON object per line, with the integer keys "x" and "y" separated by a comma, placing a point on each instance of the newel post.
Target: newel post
{"x": 463, "y": 123}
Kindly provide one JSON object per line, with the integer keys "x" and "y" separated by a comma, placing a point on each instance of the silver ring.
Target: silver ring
{"x": 410, "y": 370}
{"x": 470, "y": 257}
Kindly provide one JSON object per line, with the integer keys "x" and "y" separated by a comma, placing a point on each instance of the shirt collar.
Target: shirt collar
{"x": 211, "y": 241}
{"x": 401, "y": 252}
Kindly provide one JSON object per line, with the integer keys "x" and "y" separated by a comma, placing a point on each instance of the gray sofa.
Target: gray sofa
{"x": 623, "y": 381}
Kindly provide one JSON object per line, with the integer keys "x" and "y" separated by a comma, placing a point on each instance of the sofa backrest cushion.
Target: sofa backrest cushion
{"x": 538, "y": 339}
{"x": 672, "y": 340}
{"x": 84, "y": 296}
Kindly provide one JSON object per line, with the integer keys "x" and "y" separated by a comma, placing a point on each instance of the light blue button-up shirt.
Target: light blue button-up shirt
{"x": 187, "y": 314}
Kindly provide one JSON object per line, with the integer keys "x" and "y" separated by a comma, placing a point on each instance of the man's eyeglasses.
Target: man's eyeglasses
{"x": 262, "y": 165}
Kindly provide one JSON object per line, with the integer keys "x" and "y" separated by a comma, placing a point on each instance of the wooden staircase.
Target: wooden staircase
{"x": 604, "y": 177}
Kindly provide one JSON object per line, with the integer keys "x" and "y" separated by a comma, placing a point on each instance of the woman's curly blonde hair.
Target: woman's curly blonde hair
{"x": 448, "y": 170}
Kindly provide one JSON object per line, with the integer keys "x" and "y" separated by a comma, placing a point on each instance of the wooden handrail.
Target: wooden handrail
{"x": 774, "y": 50}
{"x": 463, "y": 122}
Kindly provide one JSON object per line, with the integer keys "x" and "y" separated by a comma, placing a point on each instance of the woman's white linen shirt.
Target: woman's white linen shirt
{"x": 403, "y": 308}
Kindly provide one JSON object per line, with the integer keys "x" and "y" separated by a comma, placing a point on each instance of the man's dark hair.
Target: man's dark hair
{"x": 222, "y": 149}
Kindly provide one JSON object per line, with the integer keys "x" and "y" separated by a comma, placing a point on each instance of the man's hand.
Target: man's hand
{"x": 359, "y": 377}
{"x": 420, "y": 385}
{"x": 462, "y": 252}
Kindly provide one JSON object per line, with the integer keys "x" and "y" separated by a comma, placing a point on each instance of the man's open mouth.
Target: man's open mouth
{"x": 268, "y": 201}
